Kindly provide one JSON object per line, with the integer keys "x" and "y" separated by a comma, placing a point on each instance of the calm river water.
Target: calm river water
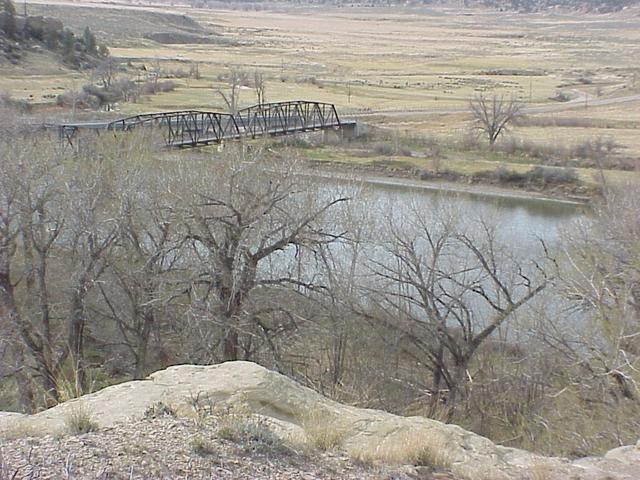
{"x": 521, "y": 220}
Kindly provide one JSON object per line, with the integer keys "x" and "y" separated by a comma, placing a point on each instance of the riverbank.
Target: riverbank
{"x": 398, "y": 177}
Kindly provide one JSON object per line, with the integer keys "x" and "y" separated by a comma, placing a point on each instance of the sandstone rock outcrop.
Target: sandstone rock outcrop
{"x": 288, "y": 406}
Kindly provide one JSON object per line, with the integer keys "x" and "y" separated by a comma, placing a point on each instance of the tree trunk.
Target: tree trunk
{"x": 230, "y": 345}
{"x": 25, "y": 391}
{"x": 143, "y": 346}
{"x": 456, "y": 386}
{"x": 77, "y": 323}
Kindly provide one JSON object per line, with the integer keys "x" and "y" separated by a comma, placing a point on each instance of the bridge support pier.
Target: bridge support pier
{"x": 349, "y": 130}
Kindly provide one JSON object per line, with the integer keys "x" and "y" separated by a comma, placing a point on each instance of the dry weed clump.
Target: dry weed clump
{"x": 254, "y": 434}
{"x": 420, "y": 448}
{"x": 322, "y": 432}
{"x": 79, "y": 420}
{"x": 235, "y": 423}
{"x": 6, "y": 471}
{"x": 201, "y": 446}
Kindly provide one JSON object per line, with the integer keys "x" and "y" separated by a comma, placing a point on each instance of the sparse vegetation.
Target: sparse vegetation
{"x": 322, "y": 431}
{"x": 78, "y": 52}
{"x": 252, "y": 433}
{"x": 160, "y": 410}
{"x": 406, "y": 448}
{"x": 79, "y": 420}
{"x": 201, "y": 446}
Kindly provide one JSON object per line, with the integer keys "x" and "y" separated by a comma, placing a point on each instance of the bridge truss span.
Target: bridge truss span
{"x": 184, "y": 128}
{"x": 287, "y": 117}
{"x": 192, "y": 128}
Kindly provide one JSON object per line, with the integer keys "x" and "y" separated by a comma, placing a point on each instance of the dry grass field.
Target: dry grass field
{"x": 412, "y": 71}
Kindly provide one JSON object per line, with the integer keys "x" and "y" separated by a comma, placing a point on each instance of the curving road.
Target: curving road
{"x": 578, "y": 102}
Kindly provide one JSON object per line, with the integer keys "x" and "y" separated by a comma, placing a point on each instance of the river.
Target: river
{"x": 522, "y": 219}
{"x": 521, "y": 223}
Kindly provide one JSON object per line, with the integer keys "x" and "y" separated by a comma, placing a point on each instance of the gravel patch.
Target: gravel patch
{"x": 175, "y": 448}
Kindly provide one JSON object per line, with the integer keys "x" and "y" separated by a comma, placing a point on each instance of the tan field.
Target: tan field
{"x": 407, "y": 70}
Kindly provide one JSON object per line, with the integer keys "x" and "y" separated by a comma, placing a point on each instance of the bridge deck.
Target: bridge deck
{"x": 191, "y": 128}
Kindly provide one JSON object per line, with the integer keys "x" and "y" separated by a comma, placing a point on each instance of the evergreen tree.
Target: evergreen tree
{"x": 9, "y": 23}
{"x": 68, "y": 46}
{"x": 90, "y": 43}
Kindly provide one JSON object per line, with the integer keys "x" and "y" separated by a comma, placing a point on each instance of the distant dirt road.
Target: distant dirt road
{"x": 578, "y": 102}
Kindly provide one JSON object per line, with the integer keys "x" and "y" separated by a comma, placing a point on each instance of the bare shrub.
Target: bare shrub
{"x": 596, "y": 148}
{"x": 578, "y": 122}
{"x": 600, "y": 152}
{"x": 542, "y": 151}
{"x": 82, "y": 99}
{"x": 537, "y": 176}
{"x": 469, "y": 141}
{"x": 152, "y": 87}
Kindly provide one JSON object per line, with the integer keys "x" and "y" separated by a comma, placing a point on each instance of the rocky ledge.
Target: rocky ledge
{"x": 203, "y": 408}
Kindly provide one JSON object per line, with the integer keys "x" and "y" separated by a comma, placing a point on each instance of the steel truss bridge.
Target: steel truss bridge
{"x": 193, "y": 128}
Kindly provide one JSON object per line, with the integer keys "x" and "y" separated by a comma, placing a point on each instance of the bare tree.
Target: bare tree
{"x": 447, "y": 290}
{"x": 244, "y": 232}
{"x": 138, "y": 290}
{"x": 12, "y": 355}
{"x": 89, "y": 233}
{"x": 36, "y": 228}
{"x": 235, "y": 79}
{"x": 194, "y": 70}
{"x": 341, "y": 270}
{"x": 600, "y": 276}
{"x": 59, "y": 231}
{"x": 259, "y": 87}
{"x": 107, "y": 72}
{"x": 493, "y": 116}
